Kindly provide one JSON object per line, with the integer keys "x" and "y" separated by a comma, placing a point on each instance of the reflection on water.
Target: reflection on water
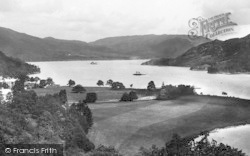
{"x": 83, "y": 72}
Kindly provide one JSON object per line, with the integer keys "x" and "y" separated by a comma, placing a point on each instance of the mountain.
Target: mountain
{"x": 30, "y": 48}
{"x": 150, "y": 46}
{"x": 14, "y": 67}
{"x": 231, "y": 56}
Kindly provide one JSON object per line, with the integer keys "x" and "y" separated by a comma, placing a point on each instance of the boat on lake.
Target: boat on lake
{"x": 138, "y": 73}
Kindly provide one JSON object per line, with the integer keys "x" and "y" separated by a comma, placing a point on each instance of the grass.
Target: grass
{"x": 128, "y": 126}
{"x": 104, "y": 94}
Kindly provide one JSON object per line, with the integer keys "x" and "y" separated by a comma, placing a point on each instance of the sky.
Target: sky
{"x": 89, "y": 20}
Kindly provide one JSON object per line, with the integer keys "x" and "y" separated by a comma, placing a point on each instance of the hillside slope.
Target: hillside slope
{"x": 14, "y": 67}
{"x": 231, "y": 56}
{"x": 150, "y": 46}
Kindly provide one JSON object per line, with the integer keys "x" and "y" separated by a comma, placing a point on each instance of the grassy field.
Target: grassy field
{"x": 104, "y": 94}
{"x": 128, "y": 126}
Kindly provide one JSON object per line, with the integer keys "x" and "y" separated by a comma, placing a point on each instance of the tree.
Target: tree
{"x": 109, "y": 82}
{"x": 117, "y": 85}
{"x": 43, "y": 83}
{"x": 36, "y": 79}
{"x": 32, "y": 79}
{"x": 71, "y": 83}
{"x": 91, "y": 97}
{"x": 78, "y": 89}
{"x": 63, "y": 96}
{"x": 50, "y": 81}
{"x": 24, "y": 102}
{"x": 151, "y": 86}
{"x": 100, "y": 83}
{"x": 19, "y": 86}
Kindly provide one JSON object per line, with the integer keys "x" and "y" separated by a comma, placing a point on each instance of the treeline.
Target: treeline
{"x": 171, "y": 92}
{"x": 12, "y": 67}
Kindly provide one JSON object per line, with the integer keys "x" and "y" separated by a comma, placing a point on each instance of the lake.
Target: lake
{"x": 237, "y": 137}
{"x": 86, "y": 74}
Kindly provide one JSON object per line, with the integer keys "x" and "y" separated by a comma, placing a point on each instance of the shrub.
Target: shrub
{"x": 78, "y": 89}
{"x": 129, "y": 96}
{"x": 125, "y": 97}
{"x": 91, "y": 97}
{"x": 133, "y": 95}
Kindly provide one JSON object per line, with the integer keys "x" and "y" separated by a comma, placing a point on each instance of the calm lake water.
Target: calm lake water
{"x": 237, "y": 137}
{"x": 122, "y": 70}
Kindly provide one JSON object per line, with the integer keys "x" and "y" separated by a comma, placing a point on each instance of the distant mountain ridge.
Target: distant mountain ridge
{"x": 30, "y": 48}
{"x": 150, "y": 46}
{"x": 230, "y": 56}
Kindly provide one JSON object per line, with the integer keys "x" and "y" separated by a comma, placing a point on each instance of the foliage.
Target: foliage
{"x": 212, "y": 70}
{"x": 78, "y": 89}
{"x": 129, "y": 96}
{"x": 71, "y": 83}
{"x": 63, "y": 96}
{"x": 29, "y": 118}
{"x": 14, "y": 67}
{"x": 151, "y": 86}
{"x": 105, "y": 151}
{"x": 178, "y": 146}
{"x": 83, "y": 114}
{"x": 172, "y": 92}
{"x": 91, "y": 97}
{"x": 100, "y": 83}
{"x": 125, "y": 97}
{"x": 4, "y": 85}
{"x": 109, "y": 82}
{"x": 43, "y": 83}
{"x": 117, "y": 86}
{"x": 49, "y": 81}
{"x": 133, "y": 95}
{"x": 19, "y": 85}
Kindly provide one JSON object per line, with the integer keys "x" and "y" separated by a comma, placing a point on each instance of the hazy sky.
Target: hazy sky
{"x": 89, "y": 20}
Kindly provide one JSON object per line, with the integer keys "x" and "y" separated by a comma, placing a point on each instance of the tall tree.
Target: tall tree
{"x": 71, "y": 83}
{"x": 151, "y": 86}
